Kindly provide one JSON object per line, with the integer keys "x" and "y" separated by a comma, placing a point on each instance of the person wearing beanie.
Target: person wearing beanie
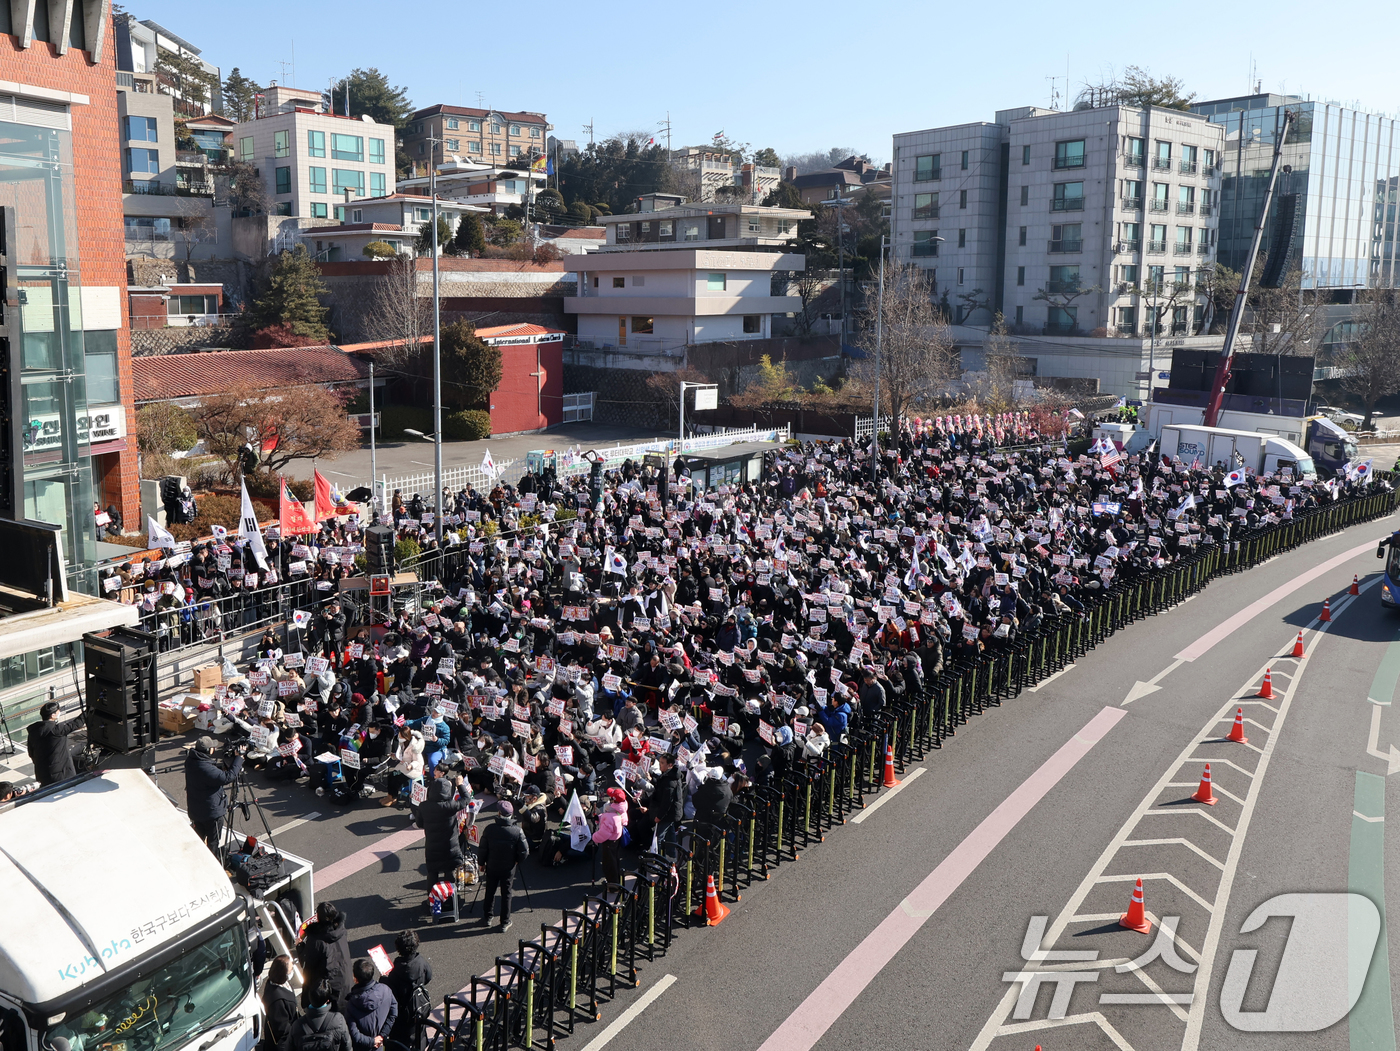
{"x": 608, "y": 837}
{"x": 502, "y": 847}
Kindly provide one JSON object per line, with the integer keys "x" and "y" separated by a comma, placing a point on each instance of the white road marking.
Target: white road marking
{"x": 886, "y": 796}
{"x": 625, "y": 1019}
{"x": 1049, "y": 679}
{"x": 294, "y": 823}
{"x": 1363, "y": 817}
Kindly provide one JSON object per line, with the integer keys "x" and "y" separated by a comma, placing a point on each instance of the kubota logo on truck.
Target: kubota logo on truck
{"x": 75, "y": 971}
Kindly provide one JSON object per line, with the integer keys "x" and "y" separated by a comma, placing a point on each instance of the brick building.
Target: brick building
{"x": 480, "y": 135}
{"x": 61, "y": 193}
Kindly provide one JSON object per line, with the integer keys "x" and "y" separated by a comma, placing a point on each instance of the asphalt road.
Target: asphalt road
{"x": 858, "y": 946}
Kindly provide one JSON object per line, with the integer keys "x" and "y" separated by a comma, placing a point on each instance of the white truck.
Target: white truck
{"x": 1260, "y": 453}
{"x": 122, "y": 930}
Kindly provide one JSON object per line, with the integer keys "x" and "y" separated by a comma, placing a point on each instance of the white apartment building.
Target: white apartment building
{"x": 315, "y": 164}
{"x": 138, "y": 69}
{"x": 1080, "y": 225}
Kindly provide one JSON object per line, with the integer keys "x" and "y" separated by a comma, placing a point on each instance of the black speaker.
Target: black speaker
{"x": 595, "y": 481}
{"x": 379, "y": 549}
{"x": 122, "y": 699}
{"x": 1281, "y": 244}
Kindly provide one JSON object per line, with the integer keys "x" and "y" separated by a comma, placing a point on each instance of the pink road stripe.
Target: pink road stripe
{"x": 1226, "y": 628}
{"x": 805, "y": 1026}
{"x": 377, "y": 851}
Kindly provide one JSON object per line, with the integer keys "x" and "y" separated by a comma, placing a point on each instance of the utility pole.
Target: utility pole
{"x": 373, "y": 473}
{"x": 879, "y": 345}
{"x": 437, "y": 354}
{"x": 589, "y": 128}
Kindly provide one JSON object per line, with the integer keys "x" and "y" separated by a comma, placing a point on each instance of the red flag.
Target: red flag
{"x": 325, "y": 506}
{"x": 292, "y": 518}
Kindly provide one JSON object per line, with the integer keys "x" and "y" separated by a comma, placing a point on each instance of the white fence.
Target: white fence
{"x": 569, "y": 462}
{"x": 863, "y": 426}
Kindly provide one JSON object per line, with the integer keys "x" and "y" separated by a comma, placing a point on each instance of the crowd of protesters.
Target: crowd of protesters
{"x": 602, "y": 666}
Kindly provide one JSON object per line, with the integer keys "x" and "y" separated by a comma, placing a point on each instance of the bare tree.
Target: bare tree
{"x": 995, "y": 387}
{"x": 808, "y": 285}
{"x": 1372, "y": 363}
{"x": 297, "y": 423}
{"x": 974, "y": 301}
{"x": 1284, "y": 320}
{"x": 194, "y": 226}
{"x": 1062, "y": 297}
{"x": 918, "y": 358}
{"x": 401, "y": 318}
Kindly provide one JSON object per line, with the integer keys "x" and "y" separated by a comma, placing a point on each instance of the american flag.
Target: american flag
{"x": 1110, "y": 457}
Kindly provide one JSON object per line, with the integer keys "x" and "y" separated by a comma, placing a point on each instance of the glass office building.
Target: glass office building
{"x": 45, "y": 330}
{"x": 1345, "y": 170}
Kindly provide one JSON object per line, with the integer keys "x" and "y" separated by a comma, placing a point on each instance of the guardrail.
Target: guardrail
{"x": 539, "y": 992}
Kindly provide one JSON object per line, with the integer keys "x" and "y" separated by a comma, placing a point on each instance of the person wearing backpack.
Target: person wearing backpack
{"x": 321, "y": 1028}
{"x": 370, "y": 1009}
{"x": 409, "y": 981}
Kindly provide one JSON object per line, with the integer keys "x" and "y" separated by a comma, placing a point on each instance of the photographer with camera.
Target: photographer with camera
{"x": 205, "y": 779}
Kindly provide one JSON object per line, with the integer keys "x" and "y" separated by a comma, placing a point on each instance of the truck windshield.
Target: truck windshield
{"x": 164, "y": 1009}
{"x": 1392, "y": 565}
{"x": 1351, "y": 450}
{"x": 1306, "y": 469}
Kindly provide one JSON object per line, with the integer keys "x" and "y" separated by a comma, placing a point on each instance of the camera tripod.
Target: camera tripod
{"x": 241, "y": 799}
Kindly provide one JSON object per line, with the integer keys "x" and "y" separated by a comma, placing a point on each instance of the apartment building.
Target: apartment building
{"x": 314, "y": 163}
{"x": 712, "y": 171}
{"x": 481, "y": 135}
{"x": 674, "y": 274}
{"x": 492, "y": 187}
{"x": 396, "y": 219}
{"x": 140, "y": 45}
{"x": 1080, "y": 228}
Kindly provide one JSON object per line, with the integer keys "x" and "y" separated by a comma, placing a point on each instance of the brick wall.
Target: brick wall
{"x": 97, "y": 163}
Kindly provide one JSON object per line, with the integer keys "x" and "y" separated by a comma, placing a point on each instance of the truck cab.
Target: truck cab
{"x": 122, "y": 931}
{"x": 1330, "y": 446}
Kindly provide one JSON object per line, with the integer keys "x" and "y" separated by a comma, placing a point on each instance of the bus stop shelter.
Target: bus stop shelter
{"x": 727, "y": 465}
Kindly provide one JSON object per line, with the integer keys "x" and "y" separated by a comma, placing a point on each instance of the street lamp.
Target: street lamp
{"x": 841, "y": 202}
{"x": 437, "y": 350}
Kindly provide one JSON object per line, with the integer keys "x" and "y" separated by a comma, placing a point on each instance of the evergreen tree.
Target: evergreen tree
{"x": 290, "y": 297}
{"x": 471, "y": 369}
{"x": 371, "y": 93}
{"x": 424, "y": 244}
{"x": 470, "y": 239}
{"x": 240, "y": 97}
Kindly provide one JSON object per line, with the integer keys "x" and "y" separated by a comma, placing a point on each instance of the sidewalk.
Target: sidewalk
{"x": 402, "y": 458}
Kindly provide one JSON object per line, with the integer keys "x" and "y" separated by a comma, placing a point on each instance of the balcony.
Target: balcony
{"x": 1132, "y": 204}
{"x": 1066, "y": 246}
{"x": 1180, "y": 328}
{"x": 1066, "y": 163}
{"x": 929, "y": 212}
{"x": 931, "y": 175}
{"x": 1156, "y": 247}
{"x": 1203, "y": 249}
{"x": 1207, "y": 209}
{"x": 1187, "y": 168}
{"x": 124, "y": 80}
{"x": 1130, "y": 246}
{"x": 157, "y": 189}
{"x": 1159, "y": 204}
{"x": 1185, "y": 208}
{"x": 1134, "y": 161}
{"x": 1209, "y": 171}
{"x": 1062, "y": 286}
{"x": 925, "y": 249}
{"x": 1161, "y": 164}
{"x": 1181, "y": 248}
{"x": 1061, "y": 328}
{"x": 1067, "y": 204}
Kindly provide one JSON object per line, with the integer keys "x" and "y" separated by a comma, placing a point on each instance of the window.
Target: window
{"x": 1185, "y": 199}
{"x": 318, "y": 210}
{"x": 342, "y": 180}
{"x": 141, "y": 129}
{"x": 1063, "y": 279}
{"x": 667, "y": 227}
{"x": 317, "y": 179}
{"x": 1022, "y": 237}
{"x": 1156, "y": 275}
{"x": 785, "y": 227}
{"x": 339, "y": 213}
{"x": 962, "y": 198}
{"x": 452, "y": 124}
{"x": 378, "y": 186}
{"x": 925, "y": 242}
{"x": 285, "y": 208}
{"x": 1188, "y": 159}
{"x": 1020, "y": 275}
{"x": 1128, "y": 274}
{"x": 1062, "y": 319}
{"x": 962, "y": 238}
{"x": 515, "y": 130}
{"x": 452, "y": 144}
{"x": 245, "y": 148}
{"x": 1025, "y": 196}
{"x": 1127, "y": 319}
{"x": 926, "y": 206}
{"x": 1067, "y": 237}
{"x": 1069, "y": 197}
{"x": 1181, "y": 276}
{"x": 964, "y": 159}
{"x": 418, "y": 128}
{"x": 422, "y": 149}
{"x": 183, "y": 306}
{"x": 960, "y": 275}
{"x": 619, "y": 282}
{"x": 717, "y": 282}
{"x": 496, "y": 148}
{"x": 425, "y": 215}
{"x": 100, "y": 357}
{"x": 473, "y": 125}
{"x": 1209, "y": 158}
{"x": 926, "y": 168}
{"x": 1183, "y": 239}
{"x": 1131, "y": 236}
{"x": 1025, "y": 154}
{"x": 690, "y": 232}
{"x": 347, "y": 147}
{"x": 474, "y": 147}
{"x": 1020, "y": 315}
{"x": 495, "y": 128}
{"x": 376, "y": 149}
{"x": 143, "y": 162}
{"x": 1162, "y": 157}
{"x": 1134, "y": 154}
{"x": 316, "y": 143}
{"x": 534, "y": 133}
{"x": 1069, "y": 154}
{"x": 1132, "y": 192}
{"x": 1158, "y": 241}
{"x": 282, "y": 143}
{"x": 357, "y": 215}
{"x": 754, "y": 225}
{"x": 753, "y": 324}
{"x": 640, "y": 325}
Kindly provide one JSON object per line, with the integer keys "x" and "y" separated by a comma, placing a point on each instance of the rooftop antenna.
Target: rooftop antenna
{"x": 481, "y": 100}
{"x": 284, "y": 63}
{"x": 1055, "y": 92}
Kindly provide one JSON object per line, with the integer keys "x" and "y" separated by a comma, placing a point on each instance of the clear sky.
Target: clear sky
{"x": 794, "y": 76}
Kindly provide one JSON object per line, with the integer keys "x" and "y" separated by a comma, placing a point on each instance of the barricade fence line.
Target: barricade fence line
{"x": 550, "y": 983}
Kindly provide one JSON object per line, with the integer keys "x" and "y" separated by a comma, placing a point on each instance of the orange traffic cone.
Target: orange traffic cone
{"x": 1204, "y": 794}
{"x": 1326, "y": 617}
{"x": 1355, "y": 590}
{"x": 1135, "y": 919}
{"x": 890, "y": 780}
{"x": 1267, "y": 690}
{"x": 714, "y": 910}
{"x": 1237, "y": 731}
{"x": 1298, "y": 646}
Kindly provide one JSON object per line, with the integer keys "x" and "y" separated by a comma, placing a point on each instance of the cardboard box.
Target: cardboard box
{"x": 176, "y": 720}
{"x": 207, "y": 677}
